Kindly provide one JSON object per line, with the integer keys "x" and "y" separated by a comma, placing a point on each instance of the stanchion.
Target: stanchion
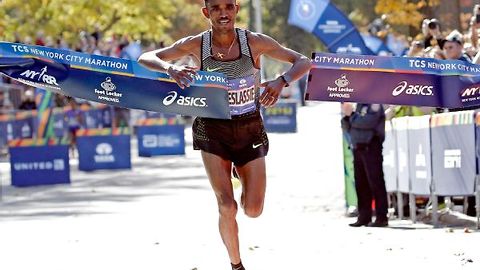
{"x": 434, "y": 200}
{"x": 413, "y": 207}
{"x": 400, "y": 205}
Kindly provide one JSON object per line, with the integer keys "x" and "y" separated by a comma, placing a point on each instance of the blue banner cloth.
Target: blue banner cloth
{"x": 114, "y": 81}
{"x": 325, "y": 21}
{"x": 394, "y": 80}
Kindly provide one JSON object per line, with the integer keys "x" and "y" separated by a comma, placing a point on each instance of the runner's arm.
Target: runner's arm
{"x": 300, "y": 63}
{"x": 159, "y": 60}
{"x": 265, "y": 45}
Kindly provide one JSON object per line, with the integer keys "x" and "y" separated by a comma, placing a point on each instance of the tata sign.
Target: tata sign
{"x": 103, "y": 152}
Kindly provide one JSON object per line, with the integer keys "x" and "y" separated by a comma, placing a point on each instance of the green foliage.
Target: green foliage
{"x": 143, "y": 19}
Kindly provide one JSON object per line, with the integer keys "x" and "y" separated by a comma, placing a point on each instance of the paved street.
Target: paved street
{"x": 162, "y": 215}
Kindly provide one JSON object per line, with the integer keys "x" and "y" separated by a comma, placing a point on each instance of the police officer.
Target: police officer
{"x": 366, "y": 126}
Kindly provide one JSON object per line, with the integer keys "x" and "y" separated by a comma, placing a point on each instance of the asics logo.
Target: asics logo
{"x": 173, "y": 96}
{"x": 168, "y": 100}
{"x": 411, "y": 89}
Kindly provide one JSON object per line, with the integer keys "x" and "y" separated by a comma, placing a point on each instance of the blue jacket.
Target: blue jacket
{"x": 367, "y": 122}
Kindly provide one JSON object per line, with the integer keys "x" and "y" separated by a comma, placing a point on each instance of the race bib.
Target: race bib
{"x": 241, "y": 95}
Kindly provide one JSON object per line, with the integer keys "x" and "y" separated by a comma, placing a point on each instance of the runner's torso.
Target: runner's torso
{"x": 243, "y": 77}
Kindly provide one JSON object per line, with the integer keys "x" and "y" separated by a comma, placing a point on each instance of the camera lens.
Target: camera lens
{"x": 432, "y": 25}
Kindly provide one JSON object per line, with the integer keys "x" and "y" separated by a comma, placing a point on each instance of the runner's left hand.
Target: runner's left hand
{"x": 271, "y": 93}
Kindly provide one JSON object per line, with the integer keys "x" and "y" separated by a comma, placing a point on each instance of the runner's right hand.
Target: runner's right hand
{"x": 182, "y": 75}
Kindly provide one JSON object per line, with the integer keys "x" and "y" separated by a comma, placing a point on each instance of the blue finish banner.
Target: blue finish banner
{"x": 114, "y": 81}
{"x": 325, "y": 21}
{"x": 104, "y": 152}
{"x": 161, "y": 140}
{"x": 394, "y": 80}
{"x": 281, "y": 118}
{"x": 39, "y": 165}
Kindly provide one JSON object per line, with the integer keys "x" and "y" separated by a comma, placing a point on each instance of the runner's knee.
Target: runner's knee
{"x": 228, "y": 208}
{"x": 253, "y": 210}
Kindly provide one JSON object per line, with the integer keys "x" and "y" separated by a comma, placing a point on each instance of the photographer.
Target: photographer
{"x": 432, "y": 33}
{"x": 474, "y": 24}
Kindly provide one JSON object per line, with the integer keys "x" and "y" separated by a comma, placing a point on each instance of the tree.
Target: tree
{"x": 65, "y": 18}
{"x": 405, "y": 12}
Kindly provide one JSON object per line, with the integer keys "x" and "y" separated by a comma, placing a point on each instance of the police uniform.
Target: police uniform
{"x": 243, "y": 138}
{"x": 366, "y": 127}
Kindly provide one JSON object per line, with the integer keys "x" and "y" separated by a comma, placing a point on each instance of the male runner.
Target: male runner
{"x": 242, "y": 140}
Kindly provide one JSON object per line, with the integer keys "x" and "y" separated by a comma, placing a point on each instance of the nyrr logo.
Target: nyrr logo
{"x": 306, "y": 9}
{"x": 104, "y": 153}
{"x": 173, "y": 96}
{"x": 412, "y": 89}
{"x": 469, "y": 92}
{"x": 41, "y": 76}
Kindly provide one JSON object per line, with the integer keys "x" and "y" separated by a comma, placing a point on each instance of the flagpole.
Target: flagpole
{"x": 257, "y": 6}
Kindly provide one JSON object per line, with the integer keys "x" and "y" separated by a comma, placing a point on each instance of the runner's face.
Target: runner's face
{"x": 222, "y": 13}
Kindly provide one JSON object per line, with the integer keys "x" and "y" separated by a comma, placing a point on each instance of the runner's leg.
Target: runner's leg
{"x": 219, "y": 172}
{"x": 253, "y": 177}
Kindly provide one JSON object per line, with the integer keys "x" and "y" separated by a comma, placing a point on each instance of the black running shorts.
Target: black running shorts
{"x": 239, "y": 140}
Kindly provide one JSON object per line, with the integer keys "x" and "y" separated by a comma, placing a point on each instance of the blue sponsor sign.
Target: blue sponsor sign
{"x": 39, "y": 165}
{"x": 92, "y": 119}
{"x": 281, "y": 118}
{"x": 104, "y": 152}
{"x": 161, "y": 140}
{"x": 390, "y": 158}
{"x": 453, "y": 154}
{"x": 59, "y": 124}
{"x": 420, "y": 161}
{"x": 23, "y": 128}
